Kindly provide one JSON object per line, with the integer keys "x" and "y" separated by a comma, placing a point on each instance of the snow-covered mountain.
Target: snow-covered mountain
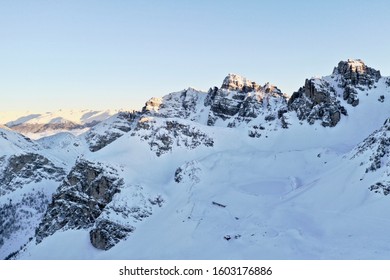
{"x": 37, "y": 126}
{"x": 241, "y": 171}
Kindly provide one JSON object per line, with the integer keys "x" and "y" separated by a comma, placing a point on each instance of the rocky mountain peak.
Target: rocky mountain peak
{"x": 152, "y": 105}
{"x": 319, "y": 98}
{"x": 239, "y": 83}
{"x": 356, "y": 72}
{"x": 351, "y": 65}
{"x": 272, "y": 89}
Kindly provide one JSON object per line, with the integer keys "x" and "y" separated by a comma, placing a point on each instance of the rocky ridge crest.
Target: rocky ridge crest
{"x": 19, "y": 170}
{"x": 320, "y": 98}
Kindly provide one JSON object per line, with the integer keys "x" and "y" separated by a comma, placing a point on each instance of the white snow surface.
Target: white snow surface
{"x": 14, "y": 143}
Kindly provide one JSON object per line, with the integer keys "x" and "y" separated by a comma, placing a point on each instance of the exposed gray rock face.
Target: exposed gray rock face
{"x": 235, "y": 82}
{"x": 354, "y": 72}
{"x": 162, "y": 135}
{"x": 353, "y": 75}
{"x": 186, "y": 104}
{"x": 240, "y": 100}
{"x": 222, "y": 104}
{"x": 19, "y": 170}
{"x": 351, "y": 96}
{"x": 89, "y": 199}
{"x": 317, "y": 100}
{"x": 237, "y": 101}
{"x": 107, "y": 132}
{"x": 388, "y": 82}
{"x": 381, "y": 187}
{"x": 80, "y": 199}
{"x": 120, "y": 216}
{"x": 106, "y": 234}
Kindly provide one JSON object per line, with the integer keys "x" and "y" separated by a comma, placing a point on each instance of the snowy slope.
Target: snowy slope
{"x": 12, "y": 142}
{"x": 238, "y": 172}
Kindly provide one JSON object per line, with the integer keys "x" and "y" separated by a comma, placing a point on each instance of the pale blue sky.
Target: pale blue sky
{"x": 118, "y": 53}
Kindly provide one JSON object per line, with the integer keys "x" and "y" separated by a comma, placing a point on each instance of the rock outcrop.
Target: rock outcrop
{"x": 120, "y": 216}
{"x": 381, "y": 187}
{"x": 186, "y": 104}
{"x": 106, "y": 234}
{"x": 317, "y": 100}
{"x": 356, "y": 73}
{"x": 238, "y": 101}
{"x": 241, "y": 101}
{"x": 94, "y": 197}
{"x": 107, "y": 132}
{"x": 80, "y": 199}
{"x": 238, "y": 83}
{"x": 162, "y": 135}
{"x": 353, "y": 75}
{"x": 19, "y": 170}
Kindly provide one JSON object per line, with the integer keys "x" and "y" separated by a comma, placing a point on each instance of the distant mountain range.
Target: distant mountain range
{"x": 50, "y": 123}
{"x": 242, "y": 171}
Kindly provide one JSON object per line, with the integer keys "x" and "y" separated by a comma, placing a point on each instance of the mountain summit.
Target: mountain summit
{"x": 329, "y": 98}
{"x": 357, "y": 72}
{"x": 239, "y": 83}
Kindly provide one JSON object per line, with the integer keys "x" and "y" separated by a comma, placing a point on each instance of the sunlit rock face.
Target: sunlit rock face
{"x": 240, "y": 101}
{"x": 317, "y": 100}
{"x": 80, "y": 199}
{"x": 356, "y": 73}
{"x": 320, "y": 98}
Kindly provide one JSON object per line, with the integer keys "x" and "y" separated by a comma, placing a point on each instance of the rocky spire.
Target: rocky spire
{"x": 272, "y": 89}
{"x": 239, "y": 83}
{"x": 356, "y": 72}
